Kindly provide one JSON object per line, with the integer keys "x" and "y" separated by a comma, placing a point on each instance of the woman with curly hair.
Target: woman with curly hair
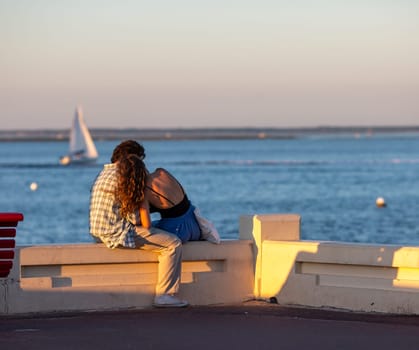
{"x": 120, "y": 218}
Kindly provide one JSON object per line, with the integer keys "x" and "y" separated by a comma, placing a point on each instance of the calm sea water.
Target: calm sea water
{"x": 332, "y": 182}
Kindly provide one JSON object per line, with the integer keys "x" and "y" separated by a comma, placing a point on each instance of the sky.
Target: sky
{"x": 209, "y": 63}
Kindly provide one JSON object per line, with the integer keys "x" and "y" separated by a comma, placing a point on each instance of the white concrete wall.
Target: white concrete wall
{"x": 358, "y": 277}
{"x": 349, "y": 276}
{"x": 84, "y": 277}
{"x": 269, "y": 260}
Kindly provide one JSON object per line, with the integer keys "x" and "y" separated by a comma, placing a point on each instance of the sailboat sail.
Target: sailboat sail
{"x": 81, "y": 141}
{"x": 82, "y": 148}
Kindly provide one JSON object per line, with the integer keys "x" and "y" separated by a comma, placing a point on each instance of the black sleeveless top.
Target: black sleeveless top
{"x": 177, "y": 210}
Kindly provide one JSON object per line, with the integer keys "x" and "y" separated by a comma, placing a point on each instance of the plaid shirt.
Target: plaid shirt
{"x": 106, "y": 224}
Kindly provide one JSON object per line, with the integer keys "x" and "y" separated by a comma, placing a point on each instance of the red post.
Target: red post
{"x": 8, "y": 224}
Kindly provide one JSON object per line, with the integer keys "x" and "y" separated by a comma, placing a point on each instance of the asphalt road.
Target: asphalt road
{"x": 251, "y": 325}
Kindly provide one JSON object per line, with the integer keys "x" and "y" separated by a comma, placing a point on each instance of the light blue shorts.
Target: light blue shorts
{"x": 185, "y": 227}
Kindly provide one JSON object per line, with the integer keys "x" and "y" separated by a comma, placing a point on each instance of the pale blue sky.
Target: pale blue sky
{"x": 209, "y": 63}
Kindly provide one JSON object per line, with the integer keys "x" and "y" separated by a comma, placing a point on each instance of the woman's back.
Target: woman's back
{"x": 163, "y": 190}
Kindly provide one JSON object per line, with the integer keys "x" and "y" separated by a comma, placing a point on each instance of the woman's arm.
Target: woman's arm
{"x": 145, "y": 214}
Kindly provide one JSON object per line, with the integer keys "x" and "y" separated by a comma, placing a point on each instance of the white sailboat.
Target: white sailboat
{"x": 82, "y": 148}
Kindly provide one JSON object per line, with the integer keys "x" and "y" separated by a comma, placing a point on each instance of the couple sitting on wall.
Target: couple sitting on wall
{"x": 122, "y": 198}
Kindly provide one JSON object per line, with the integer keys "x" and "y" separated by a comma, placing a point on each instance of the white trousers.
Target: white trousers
{"x": 169, "y": 249}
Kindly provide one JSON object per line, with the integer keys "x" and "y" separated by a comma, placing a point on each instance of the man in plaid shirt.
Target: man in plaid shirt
{"x": 115, "y": 231}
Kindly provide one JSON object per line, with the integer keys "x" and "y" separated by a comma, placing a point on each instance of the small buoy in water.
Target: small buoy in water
{"x": 380, "y": 202}
{"x": 33, "y": 186}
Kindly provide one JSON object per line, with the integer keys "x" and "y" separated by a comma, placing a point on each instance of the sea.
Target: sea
{"x": 331, "y": 180}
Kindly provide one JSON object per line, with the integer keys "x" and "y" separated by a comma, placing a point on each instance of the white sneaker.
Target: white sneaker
{"x": 168, "y": 300}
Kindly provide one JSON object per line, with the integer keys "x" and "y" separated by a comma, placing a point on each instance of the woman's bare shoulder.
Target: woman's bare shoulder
{"x": 163, "y": 176}
{"x": 157, "y": 176}
{"x": 160, "y": 172}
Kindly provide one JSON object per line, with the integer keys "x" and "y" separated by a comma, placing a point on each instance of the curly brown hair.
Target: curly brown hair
{"x": 127, "y": 147}
{"x": 132, "y": 177}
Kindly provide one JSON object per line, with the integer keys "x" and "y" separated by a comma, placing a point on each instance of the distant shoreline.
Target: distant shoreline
{"x": 201, "y": 133}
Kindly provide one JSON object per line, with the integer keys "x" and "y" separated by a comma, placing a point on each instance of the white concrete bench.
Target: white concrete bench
{"x": 351, "y": 276}
{"x": 268, "y": 261}
{"x": 92, "y": 277}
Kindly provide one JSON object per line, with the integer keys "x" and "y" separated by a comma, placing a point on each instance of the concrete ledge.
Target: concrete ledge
{"x": 269, "y": 260}
{"x": 92, "y": 277}
{"x": 356, "y": 277}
